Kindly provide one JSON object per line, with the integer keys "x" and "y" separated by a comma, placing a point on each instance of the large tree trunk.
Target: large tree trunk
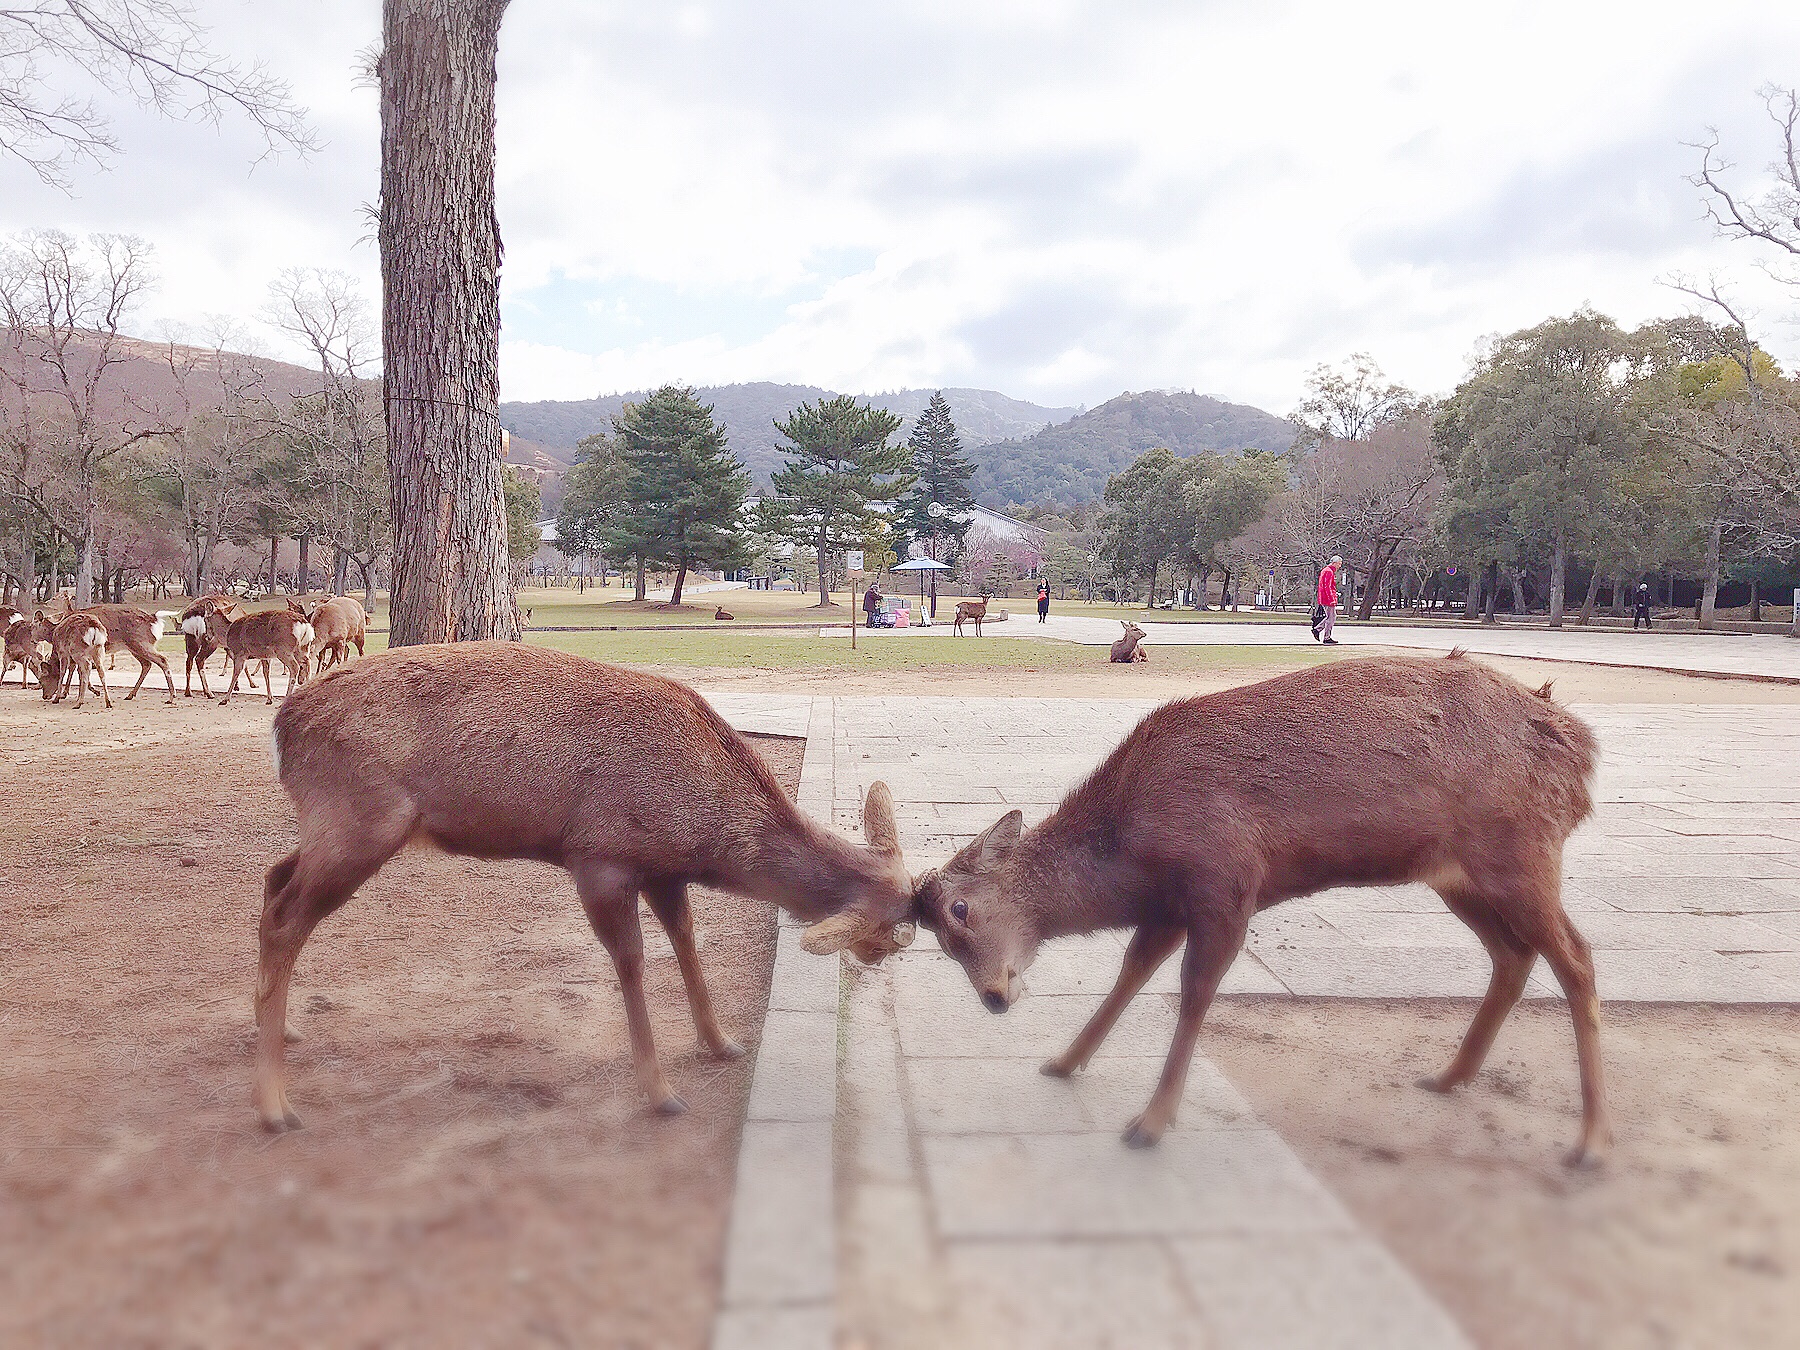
{"x": 639, "y": 594}
{"x": 1618, "y": 595}
{"x": 824, "y": 580}
{"x": 1559, "y": 575}
{"x": 1472, "y": 599}
{"x": 1755, "y": 601}
{"x": 300, "y": 570}
{"x": 681, "y": 572}
{"x": 1709, "y": 597}
{"x": 1378, "y": 562}
{"x": 1492, "y": 586}
{"x": 440, "y": 322}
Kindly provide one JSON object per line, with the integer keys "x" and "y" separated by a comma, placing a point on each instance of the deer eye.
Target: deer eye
{"x": 960, "y": 912}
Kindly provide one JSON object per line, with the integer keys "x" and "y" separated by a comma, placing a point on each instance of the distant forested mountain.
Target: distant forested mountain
{"x": 748, "y": 413}
{"x": 1070, "y": 462}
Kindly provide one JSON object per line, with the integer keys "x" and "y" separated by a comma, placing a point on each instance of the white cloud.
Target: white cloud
{"x": 1060, "y": 200}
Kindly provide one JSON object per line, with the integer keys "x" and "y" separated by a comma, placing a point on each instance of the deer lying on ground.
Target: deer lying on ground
{"x": 77, "y": 642}
{"x": 1128, "y": 648}
{"x": 203, "y": 626}
{"x": 336, "y": 624}
{"x": 135, "y": 631}
{"x": 974, "y": 610}
{"x": 1371, "y": 772}
{"x": 270, "y": 634}
{"x": 630, "y": 782}
{"x": 722, "y": 613}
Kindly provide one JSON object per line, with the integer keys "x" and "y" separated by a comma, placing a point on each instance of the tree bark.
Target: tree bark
{"x": 1559, "y": 575}
{"x": 680, "y": 581}
{"x": 440, "y": 321}
{"x": 1755, "y": 601}
{"x": 1709, "y": 597}
{"x": 824, "y": 583}
{"x": 1593, "y": 596}
{"x": 1493, "y": 592}
{"x": 300, "y": 577}
{"x": 640, "y": 593}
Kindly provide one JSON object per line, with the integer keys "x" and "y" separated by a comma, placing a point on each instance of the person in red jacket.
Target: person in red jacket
{"x": 1328, "y": 601}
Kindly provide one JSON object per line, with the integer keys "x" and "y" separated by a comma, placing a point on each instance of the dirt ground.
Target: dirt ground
{"x": 1689, "y": 1238}
{"x": 478, "y": 1166}
{"x": 1574, "y": 683}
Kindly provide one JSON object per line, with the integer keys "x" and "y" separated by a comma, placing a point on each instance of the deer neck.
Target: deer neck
{"x": 1075, "y": 880}
{"x": 806, "y": 869}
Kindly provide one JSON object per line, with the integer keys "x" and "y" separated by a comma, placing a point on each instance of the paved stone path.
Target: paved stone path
{"x": 976, "y": 1203}
{"x": 1768, "y": 655}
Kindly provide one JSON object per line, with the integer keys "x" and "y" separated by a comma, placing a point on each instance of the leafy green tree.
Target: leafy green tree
{"x": 1536, "y": 442}
{"x": 842, "y": 462}
{"x": 593, "y": 497}
{"x": 937, "y": 512}
{"x": 683, "y": 488}
{"x": 524, "y": 499}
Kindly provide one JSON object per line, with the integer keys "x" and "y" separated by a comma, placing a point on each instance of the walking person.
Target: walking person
{"x": 1640, "y": 606}
{"x": 1326, "y": 614}
{"x": 1043, "y": 601}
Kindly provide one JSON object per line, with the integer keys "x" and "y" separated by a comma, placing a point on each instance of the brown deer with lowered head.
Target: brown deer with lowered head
{"x": 972, "y": 610}
{"x": 77, "y": 642}
{"x": 1370, "y": 772}
{"x": 337, "y": 623}
{"x": 1129, "y": 646}
{"x": 630, "y": 782}
{"x": 203, "y": 625}
{"x": 26, "y": 645}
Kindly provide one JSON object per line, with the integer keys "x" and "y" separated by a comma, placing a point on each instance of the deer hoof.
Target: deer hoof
{"x": 1137, "y": 1135}
{"x": 1584, "y": 1159}
{"x": 1436, "y": 1082}
{"x": 728, "y": 1049}
{"x": 284, "y": 1123}
{"x": 291, "y": 1036}
{"x": 1055, "y": 1068}
{"x": 671, "y": 1106}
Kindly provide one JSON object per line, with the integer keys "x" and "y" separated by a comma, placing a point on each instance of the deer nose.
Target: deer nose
{"x": 994, "y": 1001}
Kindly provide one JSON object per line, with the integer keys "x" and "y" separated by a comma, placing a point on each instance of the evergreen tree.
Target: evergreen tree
{"x": 683, "y": 491}
{"x": 938, "y": 510}
{"x": 593, "y": 496}
{"x": 841, "y": 464}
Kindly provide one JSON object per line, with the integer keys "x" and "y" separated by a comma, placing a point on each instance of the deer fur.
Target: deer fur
{"x": 77, "y": 642}
{"x": 203, "y": 626}
{"x": 722, "y": 613}
{"x": 271, "y": 634}
{"x": 1369, "y": 772}
{"x": 631, "y": 783}
{"x": 1129, "y": 647}
{"x": 27, "y": 646}
{"x": 973, "y": 610}
{"x": 138, "y": 633}
{"x": 337, "y": 623}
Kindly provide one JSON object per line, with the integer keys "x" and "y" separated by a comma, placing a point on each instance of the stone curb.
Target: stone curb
{"x": 780, "y": 1280}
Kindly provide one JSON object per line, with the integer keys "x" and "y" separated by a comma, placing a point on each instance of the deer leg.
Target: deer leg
{"x": 1213, "y": 943}
{"x": 143, "y": 670}
{"x": 298, "y": 892}
{"x": 104, "y": 695}
{"x": 168, "y": 675}
{"x": 1512, "y": 968}
{"x": 609, "y": 895}
{"x": 1568, "y": 954}
{"x": 1150, "y": 947}
{"x": 268, "y": 685}
{"x": 668, "y": 900}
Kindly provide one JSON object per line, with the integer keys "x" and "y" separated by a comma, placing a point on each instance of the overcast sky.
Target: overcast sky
{"x": 1056, "y": 199}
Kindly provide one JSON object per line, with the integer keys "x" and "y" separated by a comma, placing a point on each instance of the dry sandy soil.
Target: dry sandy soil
{"x": 1690, "y": 1237}
{"x": 478, "y": 1166}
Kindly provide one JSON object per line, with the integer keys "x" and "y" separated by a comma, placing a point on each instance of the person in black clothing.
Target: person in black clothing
{"x": 1043, "y": 601}
{"x": 871, "y": 603}
{"x": 1640, "y": 608}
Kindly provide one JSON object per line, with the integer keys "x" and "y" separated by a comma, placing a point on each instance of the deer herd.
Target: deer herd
{"x": 60, "y": 646}
{"x": 1438, "y": 771}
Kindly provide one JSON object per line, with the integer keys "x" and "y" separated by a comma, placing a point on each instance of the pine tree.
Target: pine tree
{"x": 938, "y": 510}
{"x": 841, "y": 464}
{"x": 683, "y": 488}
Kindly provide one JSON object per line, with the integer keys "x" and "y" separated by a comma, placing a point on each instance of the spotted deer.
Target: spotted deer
{"x": 1370, "y": 772}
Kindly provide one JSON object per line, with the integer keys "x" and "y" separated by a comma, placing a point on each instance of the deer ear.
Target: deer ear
{"x": 992, "y": 846}
{"x": 879, "y": 827}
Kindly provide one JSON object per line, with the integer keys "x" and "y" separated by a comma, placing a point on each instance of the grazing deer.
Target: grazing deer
{"x": 27, "y": 646}
{"x": 974, "y": 610}
{"x": 630, "y": 782}
{"x": 77, "y": 642}
{"x": 138, "y": 633}
{"x": 203, "y": 626}
{"x": 1129, "y": 647}
{"x": 1371, "y": 772}
{"x": 336, "y": 624}
{"x": 271, "y": 634}
{"x": 722, "y": 613}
